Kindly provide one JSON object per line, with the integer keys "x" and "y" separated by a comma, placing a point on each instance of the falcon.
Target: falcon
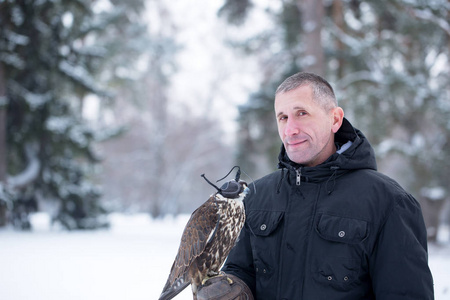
{"x": 207, "y": 238}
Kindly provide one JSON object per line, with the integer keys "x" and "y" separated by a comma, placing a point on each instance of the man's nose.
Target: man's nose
{"x": 291, "y": 128}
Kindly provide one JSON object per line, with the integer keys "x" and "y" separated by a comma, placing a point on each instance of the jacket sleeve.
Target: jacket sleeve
{"x": 240, "y": 260}
{"x": 399, "y": 263}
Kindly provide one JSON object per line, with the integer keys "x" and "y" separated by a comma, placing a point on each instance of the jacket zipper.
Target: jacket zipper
{"x": 299, "y": 176}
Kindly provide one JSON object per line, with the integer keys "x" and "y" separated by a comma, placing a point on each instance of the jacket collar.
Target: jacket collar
{"x": 359, "y": 155}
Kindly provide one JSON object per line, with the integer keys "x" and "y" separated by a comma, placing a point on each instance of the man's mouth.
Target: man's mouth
{"x": 295, "y": 142}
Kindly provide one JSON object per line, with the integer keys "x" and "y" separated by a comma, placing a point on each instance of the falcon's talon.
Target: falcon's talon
{"x": 205, "y": 280}
{"x": 230, "y": 280}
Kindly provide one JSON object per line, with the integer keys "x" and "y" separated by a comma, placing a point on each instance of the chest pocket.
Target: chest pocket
{"x": 343, "y": 230}
{"x": 265, "y": 229}
{"x": 263, "y": 223}
{"x": 337, "y": 259}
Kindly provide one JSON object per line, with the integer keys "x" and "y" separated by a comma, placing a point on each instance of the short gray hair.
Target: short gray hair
{"x": 323, "y": 93}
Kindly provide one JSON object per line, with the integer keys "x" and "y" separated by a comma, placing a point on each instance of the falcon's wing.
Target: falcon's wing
{"x": 199, "y": 230}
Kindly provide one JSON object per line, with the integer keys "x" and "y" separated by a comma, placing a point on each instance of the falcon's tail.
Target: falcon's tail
{"x": 171, "y": 290}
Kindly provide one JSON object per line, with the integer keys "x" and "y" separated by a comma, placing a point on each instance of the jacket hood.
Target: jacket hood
{"x": 360, "y": 155}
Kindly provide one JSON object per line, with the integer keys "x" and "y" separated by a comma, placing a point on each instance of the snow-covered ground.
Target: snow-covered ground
{"x": 130, "y": 261}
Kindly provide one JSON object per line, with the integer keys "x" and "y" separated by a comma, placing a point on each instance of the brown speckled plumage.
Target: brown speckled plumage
{"x": 207, "y": 239}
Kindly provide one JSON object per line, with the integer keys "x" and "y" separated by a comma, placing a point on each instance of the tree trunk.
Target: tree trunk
{"x": 158, "y": 109}
{"x": 2, "y": 143}
{"x": 312, "y": 13}
{"x": 432, "y": 209}
{"x": 338, "y": 18}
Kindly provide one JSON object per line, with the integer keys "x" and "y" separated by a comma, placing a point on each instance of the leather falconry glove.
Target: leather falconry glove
{"x": 224, "y": 287}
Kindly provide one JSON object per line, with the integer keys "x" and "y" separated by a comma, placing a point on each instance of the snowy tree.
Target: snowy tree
{"x": 155, "y": 166}
{"x": 4, "y": 199}
{"x": 54, "y": 55}
{"x": 398, "y": 55}
{"x": 389, "y": 64}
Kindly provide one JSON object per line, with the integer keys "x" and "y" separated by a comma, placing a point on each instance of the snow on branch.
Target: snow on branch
{"x": 14, "y": 39}
{"x": 6, "y": 195}
{"x": 71, "y": 128}
{"x": 30, "y": 173}
{"x": 13, "y": 60}
{"x": 391, "y": 145}
{"x": 92, "y": 51}
{"x": 351, "y": 78}
{"x": 34, "y": 100}
{"x": 359, "y": 46}
{"x": 427, "y": 15}
{"x": 433, "y": 193}
{"x": 81, "y": 76}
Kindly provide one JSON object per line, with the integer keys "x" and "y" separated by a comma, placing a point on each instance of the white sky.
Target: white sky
{"x": 211, "y": 78}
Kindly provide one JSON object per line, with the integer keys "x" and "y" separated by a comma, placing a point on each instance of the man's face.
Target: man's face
{"x": 306, "y": 128}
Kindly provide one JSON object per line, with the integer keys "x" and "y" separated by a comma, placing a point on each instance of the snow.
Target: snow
{"x": 30, "y": 172}
{"x": 434, "y": 193}
{"x": 129, "y": 261}
{"x": 12, "y": 60}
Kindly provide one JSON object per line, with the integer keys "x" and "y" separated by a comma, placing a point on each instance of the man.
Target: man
{"x": 327, "y": 225}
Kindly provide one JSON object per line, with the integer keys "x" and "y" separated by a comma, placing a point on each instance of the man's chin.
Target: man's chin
{"x": 297, "y": 158}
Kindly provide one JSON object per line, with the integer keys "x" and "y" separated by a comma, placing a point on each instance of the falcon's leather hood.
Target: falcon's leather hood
{"x": 360, "y": 155}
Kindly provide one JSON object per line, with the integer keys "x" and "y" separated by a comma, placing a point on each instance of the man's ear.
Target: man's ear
{"x": 338, "y": 118}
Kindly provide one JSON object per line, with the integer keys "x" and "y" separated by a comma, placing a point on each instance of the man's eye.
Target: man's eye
{"x": 301, "y": 113}
{"x": 282, "y": 118}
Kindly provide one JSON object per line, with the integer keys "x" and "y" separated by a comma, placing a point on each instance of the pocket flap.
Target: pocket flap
{"x": 340, "y": 229}
{"x": 263, "y": 223}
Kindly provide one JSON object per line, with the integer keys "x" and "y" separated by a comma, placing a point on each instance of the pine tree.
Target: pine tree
{"x": 395, "y": 85}
{"x": 389, "y": 62}
{"x": 53, "y": 55}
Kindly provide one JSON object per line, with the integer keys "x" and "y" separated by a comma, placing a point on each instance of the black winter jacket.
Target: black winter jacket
{"x": 339, "y": 230}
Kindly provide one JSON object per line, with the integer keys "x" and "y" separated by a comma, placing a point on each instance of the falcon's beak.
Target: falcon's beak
{"x": 246, "y": 190}
{"x": 244, "y": 187}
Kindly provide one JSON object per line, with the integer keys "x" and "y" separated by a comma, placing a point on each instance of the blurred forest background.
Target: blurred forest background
{"x": 105, "y": 108}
